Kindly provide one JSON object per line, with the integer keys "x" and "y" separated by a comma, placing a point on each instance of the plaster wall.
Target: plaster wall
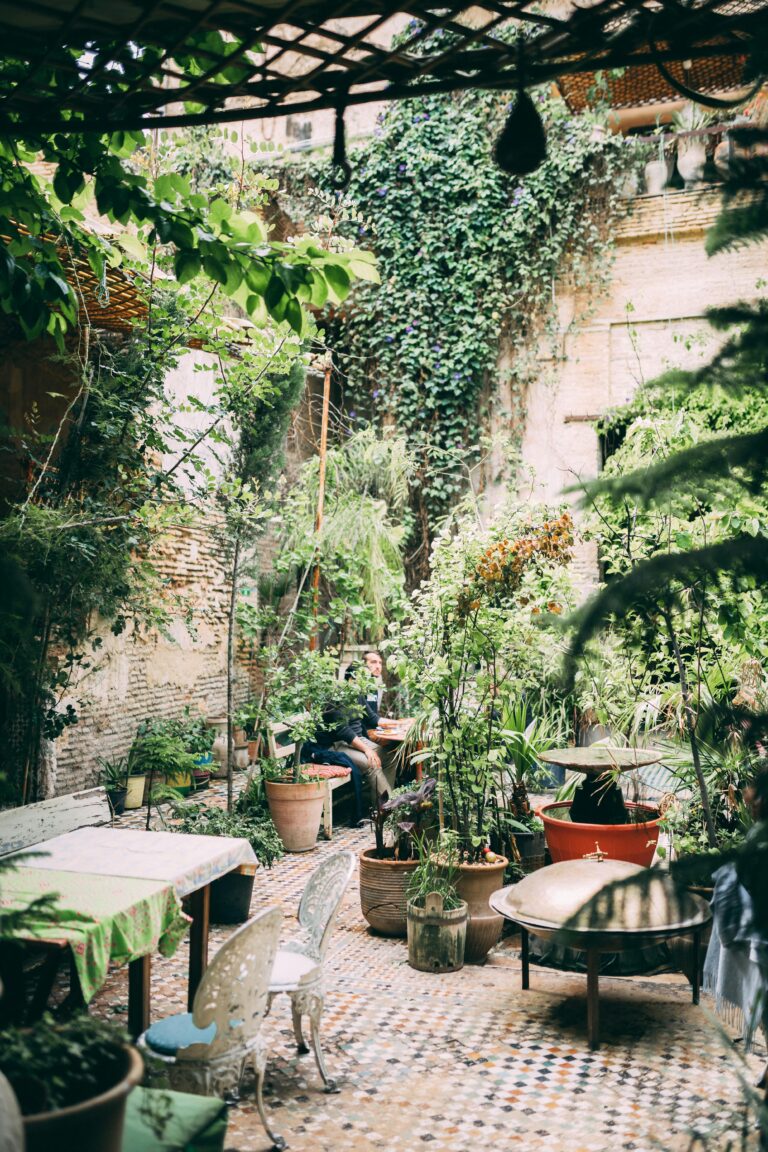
{"x": 652, "y": 318}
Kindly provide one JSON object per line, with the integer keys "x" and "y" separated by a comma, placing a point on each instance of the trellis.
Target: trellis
{"x": 69, "y": 65}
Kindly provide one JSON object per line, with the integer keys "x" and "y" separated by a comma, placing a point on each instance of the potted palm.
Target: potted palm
{"x": 159, "y": 756}
{"x": 468, "y": 649}
{"x": 301, "y": 695}
{"x": 72, "y": 1082}
{"x": 113, "y": 775}
{"x": 525, "y": 738}
{"x": 385, "y": 870}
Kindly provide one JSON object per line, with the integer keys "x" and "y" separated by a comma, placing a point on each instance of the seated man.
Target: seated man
{"x": 344, "y": 738}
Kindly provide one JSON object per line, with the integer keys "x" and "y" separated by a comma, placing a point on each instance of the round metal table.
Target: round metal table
{"x": 598, "y": 800}
{"x": 574, "y": 901}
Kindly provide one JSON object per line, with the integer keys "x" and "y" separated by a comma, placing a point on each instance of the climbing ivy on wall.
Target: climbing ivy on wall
{"x": 468, "y": 258}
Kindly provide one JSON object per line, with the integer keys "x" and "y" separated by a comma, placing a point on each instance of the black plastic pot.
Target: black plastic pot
{"x": 231, "y": 898}
{"x": 116, "y": 797}
{"x": 531, "y": 846}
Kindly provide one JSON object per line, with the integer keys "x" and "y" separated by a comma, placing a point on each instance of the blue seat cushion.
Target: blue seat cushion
{"x": 174, "y": 1032}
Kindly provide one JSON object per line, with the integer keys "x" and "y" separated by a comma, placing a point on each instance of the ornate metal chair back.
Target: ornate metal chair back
{"x": 321, "y": 899}
{"x": 233, "y": 991}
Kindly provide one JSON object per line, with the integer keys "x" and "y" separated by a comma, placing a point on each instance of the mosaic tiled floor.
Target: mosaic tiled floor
{"x": 468, "y": 1061}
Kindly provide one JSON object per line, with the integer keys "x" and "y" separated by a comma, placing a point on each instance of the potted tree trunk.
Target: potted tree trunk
{"x": 72, "y": 1082}
{"x": 301, "y": 695}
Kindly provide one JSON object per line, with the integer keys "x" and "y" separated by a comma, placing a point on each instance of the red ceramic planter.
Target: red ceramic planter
{"x": 635, "y": 843}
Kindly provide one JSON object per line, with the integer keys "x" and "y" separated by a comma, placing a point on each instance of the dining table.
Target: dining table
{"x": 120, "y": 893}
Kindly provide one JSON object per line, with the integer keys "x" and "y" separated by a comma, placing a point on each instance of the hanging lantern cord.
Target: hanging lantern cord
{"x": 341, "y": 170}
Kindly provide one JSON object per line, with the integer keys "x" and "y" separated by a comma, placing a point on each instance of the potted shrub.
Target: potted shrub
{"x": 198, "y": 737}
{"x": 113, "y": 775}
{"x": 436, "y": 914}
{"x": 250, "y": 718}
{"x": 475, "y": 640}
{"x": 691, "y": 148}
{"x": 231, "y": 894}
{"x": 385, "y": 870}
{"x": 72, "y": 1081}
{"x": 299, "y": 697}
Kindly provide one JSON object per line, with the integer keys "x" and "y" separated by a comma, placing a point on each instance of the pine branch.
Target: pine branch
{"x": 702, "y": 465}
{"x": 654, "y": 583}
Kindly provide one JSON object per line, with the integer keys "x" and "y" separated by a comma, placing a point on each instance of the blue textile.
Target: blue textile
{"x": 174, "y": 1032}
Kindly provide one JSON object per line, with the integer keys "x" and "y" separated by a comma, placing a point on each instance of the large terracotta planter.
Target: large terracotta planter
{"x": 634, "y": 842}
{"x": 475, "y": 884}
{"x": 94, "y": 1125}
{"x": 296, "y": 810}
{"x": 382, "y": 892}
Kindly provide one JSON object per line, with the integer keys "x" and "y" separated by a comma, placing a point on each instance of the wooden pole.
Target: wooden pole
{"x": 320, "y": 496}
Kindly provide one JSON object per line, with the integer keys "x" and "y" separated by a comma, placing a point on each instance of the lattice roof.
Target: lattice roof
{"x": 136, "y": 63}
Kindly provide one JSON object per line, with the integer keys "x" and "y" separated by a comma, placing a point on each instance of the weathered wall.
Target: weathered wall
{"x": 138, "y": 676}
{"x": 651, "y": 319}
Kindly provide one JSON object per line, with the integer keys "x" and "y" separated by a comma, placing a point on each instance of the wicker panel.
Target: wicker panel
{"x": 644, "y": 84}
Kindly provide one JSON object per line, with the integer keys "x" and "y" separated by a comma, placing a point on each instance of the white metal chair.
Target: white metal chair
{"x": 206, "y": 1050}
{"x": 298, "y": 970}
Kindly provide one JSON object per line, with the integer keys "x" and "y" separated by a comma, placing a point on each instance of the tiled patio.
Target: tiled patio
{"x": 467, "y": 1060}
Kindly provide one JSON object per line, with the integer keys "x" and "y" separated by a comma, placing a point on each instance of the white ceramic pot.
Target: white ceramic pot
{"x": 691, "y": 161}
{"x": 656, "y": 174}
{"x": 219, "y": 749}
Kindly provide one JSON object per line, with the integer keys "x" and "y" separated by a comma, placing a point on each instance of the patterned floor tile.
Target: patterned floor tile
{"x": 467, "y": 1061}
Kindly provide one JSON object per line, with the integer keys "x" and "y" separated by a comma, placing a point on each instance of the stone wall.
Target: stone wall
{"x": 652, "y": 318}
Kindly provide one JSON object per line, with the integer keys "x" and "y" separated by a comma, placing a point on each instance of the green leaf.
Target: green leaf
{"x": 187, "y": 266}
{"x": 338, "y": 280}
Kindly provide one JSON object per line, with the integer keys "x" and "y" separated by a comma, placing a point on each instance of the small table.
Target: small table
{"x": 393, "y": 732}
{"x": 598, "y": 800}
{"x": 572, "y": 901}
{"x": 102, "y": 919}
{"x": 188, "y": 863}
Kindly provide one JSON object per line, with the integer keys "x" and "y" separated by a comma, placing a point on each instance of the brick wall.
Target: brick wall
{"x": 139, "y": 676}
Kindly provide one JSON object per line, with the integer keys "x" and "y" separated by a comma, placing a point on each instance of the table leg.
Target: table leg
{"x": 14, "y": 994}
{"x": 696, "y": 974}
{"x": 199, "y": 908}
{"x": 44, "y": 987}
{"x": 139, "y": 978}
{"x": 593, "y": 998}
{"x": 328, "y": 811}
{"x": 524, "y": 958}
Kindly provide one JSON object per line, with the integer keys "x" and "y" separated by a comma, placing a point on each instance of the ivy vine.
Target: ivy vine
{"x": 468, "y": 258}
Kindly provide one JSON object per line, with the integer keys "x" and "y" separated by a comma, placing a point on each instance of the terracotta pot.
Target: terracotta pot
{"x": 94, "y": 1125}
{"x": 475, "y": 884}
{"x": 296, "y": 810}
{"x": 382, "y": 892}
{"x": 134, "y": 792}
{"x": 635, "y": 843}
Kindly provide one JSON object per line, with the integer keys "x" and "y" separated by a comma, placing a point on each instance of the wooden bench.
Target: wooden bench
{"x": 33, "y": 824}
{"x": 28, "y": 827}
{"x": 282, "y": 749}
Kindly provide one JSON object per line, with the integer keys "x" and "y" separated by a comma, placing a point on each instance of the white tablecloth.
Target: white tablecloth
{"x": 188, "y": 862}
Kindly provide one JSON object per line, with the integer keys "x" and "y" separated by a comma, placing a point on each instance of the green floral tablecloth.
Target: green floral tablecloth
{"x": 103, "y": 918}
